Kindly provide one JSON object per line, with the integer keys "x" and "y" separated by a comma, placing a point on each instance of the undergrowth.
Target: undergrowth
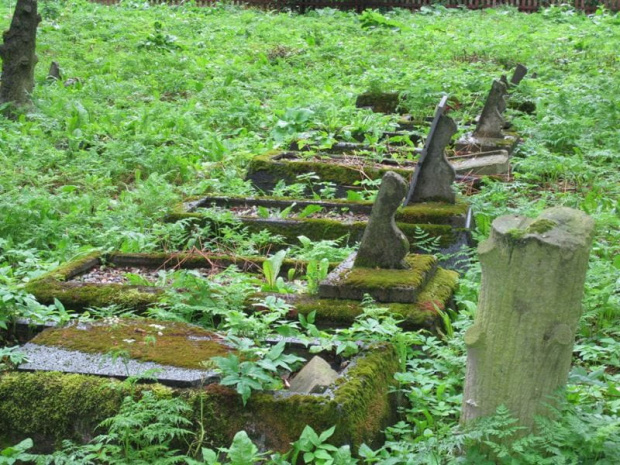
{"x": 159, "y": 103}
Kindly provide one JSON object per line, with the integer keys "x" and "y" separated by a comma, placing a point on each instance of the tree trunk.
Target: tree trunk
{"x": 18, "y": 54}
{"x": 520, "y": 347}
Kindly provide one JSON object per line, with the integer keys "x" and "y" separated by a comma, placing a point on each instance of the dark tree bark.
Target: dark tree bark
{"x": 18, "y": 54}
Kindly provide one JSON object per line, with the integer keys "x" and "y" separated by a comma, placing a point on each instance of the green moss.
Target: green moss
{"x": 436, "y": 295}
{"x": 319, "y": 229}
{"x": 72, "y": 268}
{"x": 269, "y": 169}
{"x": 167, "y": 343}
{"x": 434, "y": 212}
{"x": 78, "y": 296}
{"x": 50, "y": 406}
{"x": 422, "y": 267}
{"x": 539, "y": 226}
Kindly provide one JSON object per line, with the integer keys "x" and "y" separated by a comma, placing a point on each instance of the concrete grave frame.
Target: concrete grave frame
{"x": 451, "y": 223}
{"x": 266, "y": 170}
{"x": 329, "y": 313}
{"x": 50, "y": 406}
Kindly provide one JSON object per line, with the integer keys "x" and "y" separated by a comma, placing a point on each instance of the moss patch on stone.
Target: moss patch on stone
{"x": 49, "y": 407}
{"x": 415, "y": 277}
{"x": 539, "y": 226}
{"x": 267, "y": 169}
{"x": 167, "y": 343}
{"x": 436, "y": 295}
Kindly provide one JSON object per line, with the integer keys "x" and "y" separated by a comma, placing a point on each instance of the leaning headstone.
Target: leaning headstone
{"x": 314, "y": 378}
{"x": 383, "y": 244}
{"x": 520, "y": 347}
{"x": 433, "y": 177}
{"x": 518, "y": 75}
{"x": 491, "y": 120}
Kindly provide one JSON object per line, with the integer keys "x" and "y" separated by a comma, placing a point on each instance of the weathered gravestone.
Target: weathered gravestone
{"x": 520, "y": 346}
{"x": 382, "y": 267}
{"x": 18, "y": 54}
{"x": 383, "y": 244}
{"x": 491, "y": 121}
{"x": 432, "y": 180}
{"x": 518, "y": 75}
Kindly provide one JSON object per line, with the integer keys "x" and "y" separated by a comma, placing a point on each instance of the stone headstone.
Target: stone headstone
{"x": 54, "y": 72}
{"x": 383, "y": 244}
{"x": 314, "y": 378}
{"x": 519, "y": 349}
{"x": 432, "y": 180}
{"x": 518, "y": 75}
{"x": 491, "y": 121}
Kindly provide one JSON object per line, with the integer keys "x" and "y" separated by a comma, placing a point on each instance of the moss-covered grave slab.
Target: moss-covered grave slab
{"x": 63, "y": 282}
{"x": 423, "y": 313}
{"x": 384, "y": 285}
{"x": 449, "y": 223}
{"x": 344, "y": 170}
{"x": 51, "y": 406}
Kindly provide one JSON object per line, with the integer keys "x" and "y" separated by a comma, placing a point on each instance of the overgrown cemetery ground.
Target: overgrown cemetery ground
{"x": 180, "y": 192}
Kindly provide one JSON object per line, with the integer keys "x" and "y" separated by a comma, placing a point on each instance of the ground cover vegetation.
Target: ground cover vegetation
{"x": 159, "y": 103}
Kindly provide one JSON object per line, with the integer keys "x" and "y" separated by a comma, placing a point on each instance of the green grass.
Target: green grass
{"x": 174, "y": 101}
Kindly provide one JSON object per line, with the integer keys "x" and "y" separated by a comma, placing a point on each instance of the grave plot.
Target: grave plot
{"x": 384, "y": 269}
{"x": 71, "y": 383}
{"x": 487, "y": 149}
{"x": 103, "y": 280}
{"x": 431, "y": 207}
{"x": 448, "y": 224}
{"x": 100, "y": 280}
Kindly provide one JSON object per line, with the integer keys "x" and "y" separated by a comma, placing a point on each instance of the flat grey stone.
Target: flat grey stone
{"x": 45, "y": 358}
{"x": 484, "y": 163}
{"x": 472, "y": 144}
{"x": 383, "y": 244}
{"x": 314, "y": 378}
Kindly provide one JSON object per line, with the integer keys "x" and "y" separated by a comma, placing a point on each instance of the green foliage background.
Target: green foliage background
{"x": 173, "y": 101}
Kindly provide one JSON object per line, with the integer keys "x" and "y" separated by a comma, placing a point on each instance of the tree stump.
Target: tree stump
{"x": 18, "y": 54}
{"x": 520, "y": 347}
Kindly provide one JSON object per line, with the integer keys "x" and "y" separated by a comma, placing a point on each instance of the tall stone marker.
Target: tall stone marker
{"x": 383, "y": 244}
{"x": 18, "y": 54}
{"x": 520, "y": 347}
{"x": 491, "y": 121}
{"x": 433, "y": 177}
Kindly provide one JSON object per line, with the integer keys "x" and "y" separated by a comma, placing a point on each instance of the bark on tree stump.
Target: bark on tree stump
{"x": 520, "y": 347}
{"x": 18, "y": 54}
